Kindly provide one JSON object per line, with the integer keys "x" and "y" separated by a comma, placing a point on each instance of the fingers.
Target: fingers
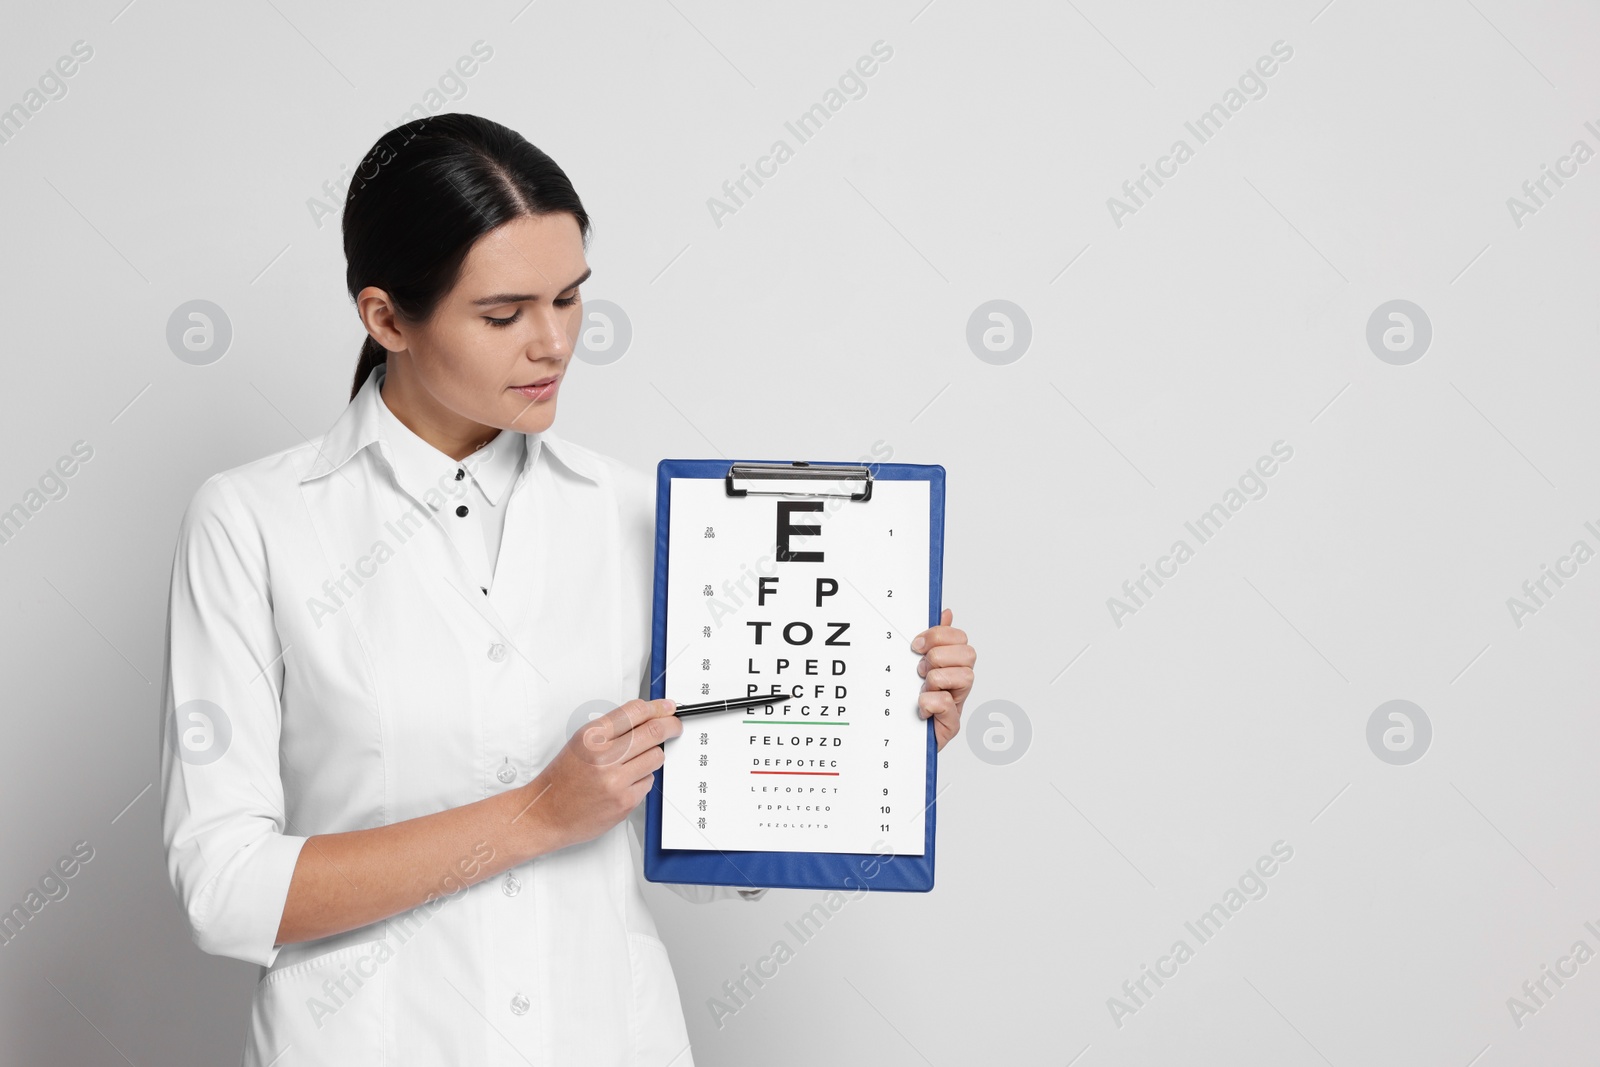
{"x": 654, "y": 730}
{"x": 947, "y": 656}
{"x": 625, "y": 717}
{"x": 955, "y": 679}
{"x": 614, "y": 723}
{"x": 946, "y": 724}
{"x": 938, "y": 702}
{"x": 640, "y": 770}
{"x": 639, "y": 775}
{"x": 946, "y": 668}
{"x": 938, "y": 635}
{"x": 946, "y": 714}
{"x": 625, "y": 731}
{"x": 640, "y": 790}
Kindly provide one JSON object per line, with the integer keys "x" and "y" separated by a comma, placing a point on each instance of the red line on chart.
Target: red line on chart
{"x": 835, "y": 774}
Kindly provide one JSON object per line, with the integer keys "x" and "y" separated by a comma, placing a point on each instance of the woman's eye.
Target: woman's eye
{"x": 564, "y": 302}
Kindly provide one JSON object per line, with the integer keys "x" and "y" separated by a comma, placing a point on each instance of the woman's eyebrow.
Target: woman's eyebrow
{"x": 513, "y": 298}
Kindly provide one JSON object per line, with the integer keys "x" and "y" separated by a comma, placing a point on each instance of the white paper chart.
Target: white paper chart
{"x": 814, "y": 600}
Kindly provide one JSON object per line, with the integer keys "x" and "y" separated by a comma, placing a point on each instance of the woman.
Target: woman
{"x": 377, "y": 779}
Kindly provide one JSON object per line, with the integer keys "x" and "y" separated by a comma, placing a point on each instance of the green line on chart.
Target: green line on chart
{"x": 793, "y": 722}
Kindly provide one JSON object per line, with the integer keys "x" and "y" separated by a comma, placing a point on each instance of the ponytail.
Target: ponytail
{"x": 372, "y": 354}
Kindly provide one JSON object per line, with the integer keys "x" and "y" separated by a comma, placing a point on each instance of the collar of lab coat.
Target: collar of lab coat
{"x": 359, "y": 426}
{"x": 417, "y": 464}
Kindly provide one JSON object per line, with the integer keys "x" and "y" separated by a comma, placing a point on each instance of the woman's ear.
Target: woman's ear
{"x": 378, "y": 316}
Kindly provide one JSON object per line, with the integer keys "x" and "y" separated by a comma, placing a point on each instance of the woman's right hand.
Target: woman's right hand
{"x": 601, "y": 773}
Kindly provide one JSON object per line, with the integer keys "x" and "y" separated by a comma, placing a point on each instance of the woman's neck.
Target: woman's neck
{"x": 451, "y": 434}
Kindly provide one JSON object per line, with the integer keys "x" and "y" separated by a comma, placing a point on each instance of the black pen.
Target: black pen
{"x": 729, "y": 705}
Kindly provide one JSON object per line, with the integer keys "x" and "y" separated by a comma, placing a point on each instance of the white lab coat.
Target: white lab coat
{"x": 331, "y": 665}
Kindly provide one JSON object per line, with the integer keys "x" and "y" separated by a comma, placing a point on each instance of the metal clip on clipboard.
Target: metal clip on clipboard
{"x": 798, "y": 471}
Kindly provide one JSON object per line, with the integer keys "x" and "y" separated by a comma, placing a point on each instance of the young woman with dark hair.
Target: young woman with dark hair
{"x": 380, "y": 781}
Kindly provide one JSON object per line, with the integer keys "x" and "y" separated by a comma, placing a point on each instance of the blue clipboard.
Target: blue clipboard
{"x": 844, "y": 871}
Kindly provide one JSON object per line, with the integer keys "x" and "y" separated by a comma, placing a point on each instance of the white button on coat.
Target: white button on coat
{"x": 326, "y": 671}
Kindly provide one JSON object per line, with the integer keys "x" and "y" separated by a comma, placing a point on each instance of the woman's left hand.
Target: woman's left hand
{"x": 946, "y": 669}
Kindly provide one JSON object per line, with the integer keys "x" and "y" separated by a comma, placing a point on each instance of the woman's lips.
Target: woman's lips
{"x": 538, "y": 390}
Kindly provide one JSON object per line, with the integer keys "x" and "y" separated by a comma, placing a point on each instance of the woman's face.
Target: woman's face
{"x": 498, "y": 345}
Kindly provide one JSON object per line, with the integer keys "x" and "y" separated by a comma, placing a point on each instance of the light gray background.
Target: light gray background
{"x": 829, "y": 313}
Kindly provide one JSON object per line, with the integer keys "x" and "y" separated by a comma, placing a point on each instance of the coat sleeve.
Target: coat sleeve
{"x": 228, "y": 857}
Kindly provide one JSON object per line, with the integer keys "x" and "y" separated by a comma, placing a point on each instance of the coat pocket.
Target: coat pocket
{"x": 660, "y": 1038}
{"x": 326, "y": 1009}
